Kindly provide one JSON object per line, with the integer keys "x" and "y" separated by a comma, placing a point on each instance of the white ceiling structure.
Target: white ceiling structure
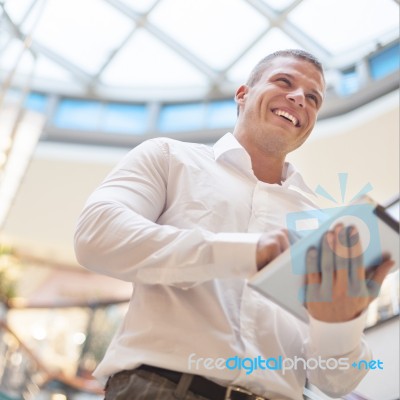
{"x": 157, "y": 52}
{"x": 143, "y": 48}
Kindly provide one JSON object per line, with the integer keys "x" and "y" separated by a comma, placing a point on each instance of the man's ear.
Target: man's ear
{"x": 241, "y": 93}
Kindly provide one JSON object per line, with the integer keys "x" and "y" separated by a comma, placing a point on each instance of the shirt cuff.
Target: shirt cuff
{"x": 330, "y": 339}
{"x": 236, "y": 253}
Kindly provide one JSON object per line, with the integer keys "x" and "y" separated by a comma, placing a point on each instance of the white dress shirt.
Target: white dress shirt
{"x": 181, "y": 222}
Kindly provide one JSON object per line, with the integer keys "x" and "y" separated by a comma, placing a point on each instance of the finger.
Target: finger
{"x": 313, "y": 277}
{"x": 279, "y": 243}
{"x": 283, "y": 238}
{"x": 312, "y": 293}
{"x": 373, "y": 289}
{"x": 356, "y": 268}
{"x": 358, "y": 284}
{"x": 381, "y": 272}
{"x": 341, "y": 249}
{"x": 273, "y": 250}
{"x": 341, "y": 282}
{"x": 341, "y": 260}
{"x": 327, "y": 260}
{"x": 375, "y": 282}
{"x": 312, "y": 267}
{"x": 270, "y": 245}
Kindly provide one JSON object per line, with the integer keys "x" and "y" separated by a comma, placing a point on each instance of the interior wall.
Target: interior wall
{"x": 364, "y": 144}
{"x": 384, "y": 343}
{"x": 60, "y": 178}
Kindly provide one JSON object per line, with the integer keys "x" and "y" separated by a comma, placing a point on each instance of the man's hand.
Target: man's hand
{"x": 270, "y": 245}
{"x": 338, "y": 288}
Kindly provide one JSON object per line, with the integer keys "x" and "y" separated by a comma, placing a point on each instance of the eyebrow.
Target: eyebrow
{"x": 316, "y": 92}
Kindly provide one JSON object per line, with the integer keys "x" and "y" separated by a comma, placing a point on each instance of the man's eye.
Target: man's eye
{"x": 313, "y": 98}
{"x": 285, "y": 80}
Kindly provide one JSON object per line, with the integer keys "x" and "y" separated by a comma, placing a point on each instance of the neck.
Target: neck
{"x": 267, "y": 166}
{"x": 267, "y": 169}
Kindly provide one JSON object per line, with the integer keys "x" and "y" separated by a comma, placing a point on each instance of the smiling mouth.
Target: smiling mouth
{"x": 287, "y": 116}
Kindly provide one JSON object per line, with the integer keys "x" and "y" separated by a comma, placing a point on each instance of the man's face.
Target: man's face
{"x": 279, "y": 111}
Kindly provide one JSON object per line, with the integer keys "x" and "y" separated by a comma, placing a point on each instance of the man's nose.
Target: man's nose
{"x": 297, "y": 97}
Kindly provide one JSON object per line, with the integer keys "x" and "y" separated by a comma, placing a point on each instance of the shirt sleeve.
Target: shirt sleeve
{"x": 341, "y": 347}
{"x": 117, "y": 233}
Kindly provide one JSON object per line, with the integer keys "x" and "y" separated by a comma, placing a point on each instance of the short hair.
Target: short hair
{"x": 258, "y": 70}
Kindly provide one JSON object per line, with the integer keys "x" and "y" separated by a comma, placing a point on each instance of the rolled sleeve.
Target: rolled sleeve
{"x": 334, "y": 339}
{"x": 236, "y": 253}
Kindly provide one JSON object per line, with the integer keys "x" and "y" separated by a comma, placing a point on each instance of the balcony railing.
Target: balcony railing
{"x": 24, "y": 377}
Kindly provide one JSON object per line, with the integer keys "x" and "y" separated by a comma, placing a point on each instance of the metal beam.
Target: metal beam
{"x": 280, "y": 20}
{"x": 15, "y": 31}
{"x": 141, "y": 21}
{"x": 245, "y": 51}
{"x": 117, "y": 49}
{"x": 36, "y": 48}
{"x": 291, "y": 6}
{"x": 76, "y": 71}
{"x": 113, "y": 53}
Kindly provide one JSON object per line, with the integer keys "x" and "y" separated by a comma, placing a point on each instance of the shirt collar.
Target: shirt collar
{"x": 226, "y": 144}
{"x": 228, "y": 148}
{"x": 292, "y": 179}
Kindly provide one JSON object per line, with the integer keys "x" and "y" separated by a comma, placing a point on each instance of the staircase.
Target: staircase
{"x": 21, "y": 373}
{"x": 24, "y": 377}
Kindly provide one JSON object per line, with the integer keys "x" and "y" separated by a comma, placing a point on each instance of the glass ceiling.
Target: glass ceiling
{"x": 145, "y": 48}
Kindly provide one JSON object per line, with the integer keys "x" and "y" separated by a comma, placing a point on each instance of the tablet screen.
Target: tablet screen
{"x": 390, "y": 213}
{"x": 393, "y": 209}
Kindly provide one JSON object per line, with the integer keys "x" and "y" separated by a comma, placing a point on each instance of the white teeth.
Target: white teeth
{"x": 287, "y": 115}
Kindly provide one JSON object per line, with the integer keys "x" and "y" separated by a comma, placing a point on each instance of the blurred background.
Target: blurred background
{"x": 83, "y": 82}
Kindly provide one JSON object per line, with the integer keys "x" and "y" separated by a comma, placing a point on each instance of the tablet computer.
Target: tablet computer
{"x": 283, "y": 279}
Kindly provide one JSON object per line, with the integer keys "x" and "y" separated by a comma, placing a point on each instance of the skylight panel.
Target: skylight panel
{"x": 274, "y": 40}
{"x": 278, "y": 5}
{"x": 343, "y": 25}
{"x": 10, "y": 58}
{"x": 141, "y": 6}
{"x": 36, "y": 102}
{"x": 182, "y": 117}
{"x": 47, "y": 69}
{"x": 145, "y": 62}
{"x": 16, "y": 9}
{"x": 4, "y": 37}
{"x": 221, "y": 114}
{"x": 125, "y": 118}
{"x": 214, "y": 31}
{"x": 82, "y": 32}
{"x": 78, "y": 114}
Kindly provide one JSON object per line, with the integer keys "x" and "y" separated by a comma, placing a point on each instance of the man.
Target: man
{"x": 187, "y": 224}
